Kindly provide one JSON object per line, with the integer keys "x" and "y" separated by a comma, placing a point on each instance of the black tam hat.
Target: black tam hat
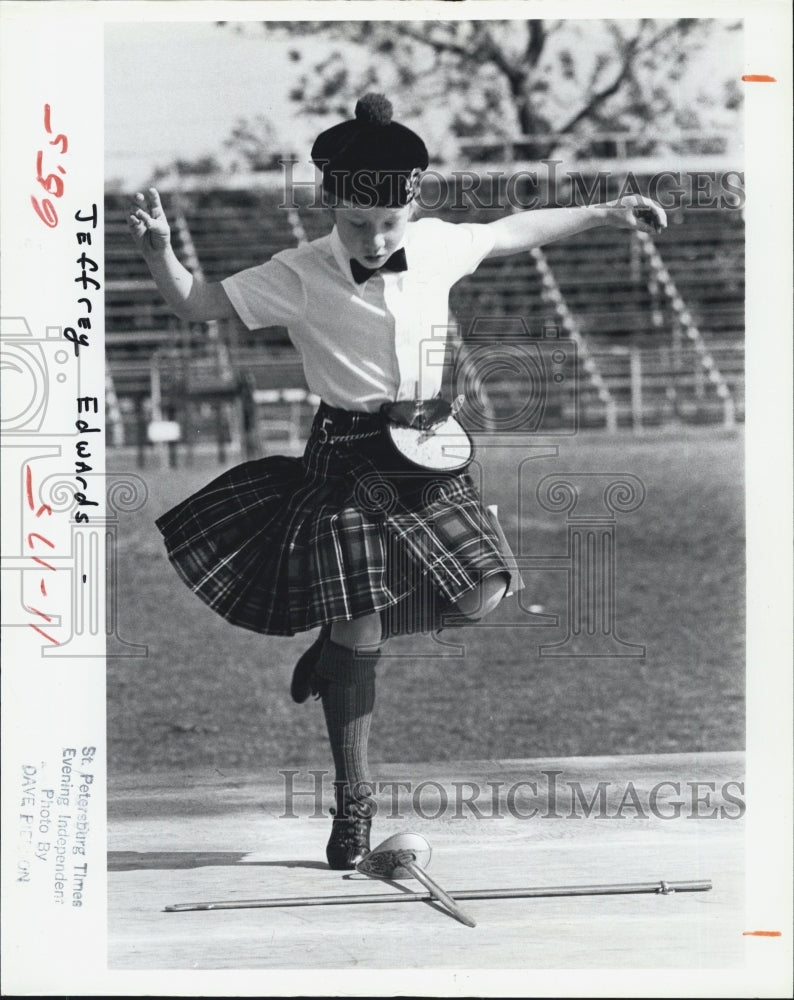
{"x": 371, "y": 160}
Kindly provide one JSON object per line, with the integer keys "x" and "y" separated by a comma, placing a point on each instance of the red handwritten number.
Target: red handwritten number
{"x": 29, "y": 494}
{"x": 29, "y": 487}
{"x": 41, "y": 631}
{"x": 60, "y": 139}
{"x": 41, "y": 538}
{"x": 43, "y": 508}
{"x": 51, "y": 182}
{"x": 45, "y": 211}
{"x": 40, "y": 614}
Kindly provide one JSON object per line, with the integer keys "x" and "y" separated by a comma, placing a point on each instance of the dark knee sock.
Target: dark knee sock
{"x": 347, "y": 685}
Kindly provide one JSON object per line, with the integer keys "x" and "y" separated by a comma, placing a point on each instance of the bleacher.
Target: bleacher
{"x": 315, "y": 220}
{"x": 651, "y": 368}
{"x": 621, "y": 311}
{"x": 136, "y": 317}
{"x": 704, "y": 252}
{"x": 233, "y": 230}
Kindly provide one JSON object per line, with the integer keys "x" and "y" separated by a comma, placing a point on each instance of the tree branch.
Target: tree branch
{"x": 632, "y": 51}
{"x": 491, "y": 53}
{"x": 435, "y": 43}
{"x": 537, "y": 40}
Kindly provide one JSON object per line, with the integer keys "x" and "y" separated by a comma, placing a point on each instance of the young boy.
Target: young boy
{"x": 284, "y": 545}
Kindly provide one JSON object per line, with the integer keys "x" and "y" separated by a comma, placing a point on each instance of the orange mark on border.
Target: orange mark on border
{"x": 761, "y": 933}
{"x": 758, "y": 78}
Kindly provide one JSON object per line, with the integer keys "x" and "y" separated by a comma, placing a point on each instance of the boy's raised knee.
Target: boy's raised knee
{"x": 484, "y": 598}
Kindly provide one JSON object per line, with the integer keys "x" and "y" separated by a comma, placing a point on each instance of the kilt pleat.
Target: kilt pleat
{"x": 280, "y": 545}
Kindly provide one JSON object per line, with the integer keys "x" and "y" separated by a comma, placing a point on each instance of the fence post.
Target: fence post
{"x": 218, "y": 411}
{"x": 161, "y": 449}
{"x": 141, "y": 439}
{"x": 635, "y": 363}
{"x": 728, "y": 409}
{"x": 612, "y": 415}
{"x": 635, "y": 259}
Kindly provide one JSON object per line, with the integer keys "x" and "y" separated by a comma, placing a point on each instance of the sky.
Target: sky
{"x": 179, "y": 92}
{"x": 177, "y": 89}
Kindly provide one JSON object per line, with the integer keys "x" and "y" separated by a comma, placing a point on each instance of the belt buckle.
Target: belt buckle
{"x": 323, "y": 437}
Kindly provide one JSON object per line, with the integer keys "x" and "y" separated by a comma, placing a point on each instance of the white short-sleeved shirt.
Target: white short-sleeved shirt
{"x": 363, "y": 345}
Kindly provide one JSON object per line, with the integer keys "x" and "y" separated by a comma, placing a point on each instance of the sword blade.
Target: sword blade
{"x": 438, "y": 893}
{"x": 656, "y": 888}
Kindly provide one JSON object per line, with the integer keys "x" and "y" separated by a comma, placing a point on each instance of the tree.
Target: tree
{"x": 202, "y": 166}
{"x": 252, "y": 145}
{"x": 503, "y": 79}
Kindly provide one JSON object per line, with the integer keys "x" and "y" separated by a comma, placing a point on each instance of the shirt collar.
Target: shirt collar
{"x": 342, "y": 257}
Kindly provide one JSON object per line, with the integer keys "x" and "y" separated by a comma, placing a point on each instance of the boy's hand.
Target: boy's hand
{"x": 148, "y": 224}
{"x": 634, "y": 211}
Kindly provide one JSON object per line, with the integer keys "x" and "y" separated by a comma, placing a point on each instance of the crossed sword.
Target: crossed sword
{"x": 405, "y": 855}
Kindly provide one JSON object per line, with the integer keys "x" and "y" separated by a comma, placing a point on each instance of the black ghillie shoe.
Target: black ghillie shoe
{"x": 349, "y": 840}
{"x": 304, "y": 680}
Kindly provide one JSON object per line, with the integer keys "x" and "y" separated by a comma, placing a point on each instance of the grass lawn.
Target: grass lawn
{"x": 210, "y": 694}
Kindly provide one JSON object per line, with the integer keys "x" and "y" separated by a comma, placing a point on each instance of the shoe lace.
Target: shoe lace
{"x": 356, "y": 819}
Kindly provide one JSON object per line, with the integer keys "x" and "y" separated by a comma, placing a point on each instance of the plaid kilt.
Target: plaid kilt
{"x": 281, "y": 545}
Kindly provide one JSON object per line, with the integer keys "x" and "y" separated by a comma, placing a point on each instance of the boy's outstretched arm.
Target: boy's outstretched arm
{"x": 189, "y": 297}
{"x": 526, "y": 230}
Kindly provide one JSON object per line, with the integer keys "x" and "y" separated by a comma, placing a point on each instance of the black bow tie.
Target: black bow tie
{"x": 396, "y": 262}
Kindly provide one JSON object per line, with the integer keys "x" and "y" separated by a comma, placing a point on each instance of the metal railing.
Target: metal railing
{"x": 552, "y": 294}
{"x": 661, "y": 285}
{"x": 607, "y": 145}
